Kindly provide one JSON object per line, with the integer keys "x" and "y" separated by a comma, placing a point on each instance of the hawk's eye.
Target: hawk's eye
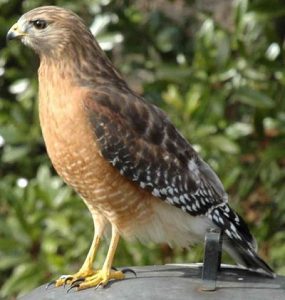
{"x": 40, "y": 24}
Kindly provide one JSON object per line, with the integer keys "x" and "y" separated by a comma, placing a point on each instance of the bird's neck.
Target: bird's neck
{"x": 85, "y": 64}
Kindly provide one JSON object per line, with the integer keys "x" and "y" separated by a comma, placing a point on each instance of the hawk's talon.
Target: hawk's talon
{"x": 125, "y": 270}
{"x": 68, "y": 278}
{"x": 50, "y": 284}
{"x": 72, "y": 287}
{"x": 100, "y": 285}
{"x": 79, "y": 280}
{"x": 80, "y": 276}
{"x": 128, "y": 270}
{"x": 100, "y": 279}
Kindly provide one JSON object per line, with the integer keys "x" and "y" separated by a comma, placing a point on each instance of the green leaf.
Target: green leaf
{"x": 22, "y": 279}
{"x": 12, "y": 154}
{"x": 223, "y": 143}
{"x": 253, "y": 98}
{"x": 8, "y": 261}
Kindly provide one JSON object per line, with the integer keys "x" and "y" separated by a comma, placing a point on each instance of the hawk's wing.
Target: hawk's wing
{"x": 138, "y": 139}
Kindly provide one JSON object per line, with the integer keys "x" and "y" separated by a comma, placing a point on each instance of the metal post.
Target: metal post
{"x": 212, "y": 259}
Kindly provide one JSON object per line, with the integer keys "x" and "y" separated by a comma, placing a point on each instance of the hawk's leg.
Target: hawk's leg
{"x": 87, "y": 268}
{"x": 103, "y": 276}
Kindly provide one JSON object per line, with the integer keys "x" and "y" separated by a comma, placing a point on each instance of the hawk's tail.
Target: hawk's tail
{"x": 237, "y": 240}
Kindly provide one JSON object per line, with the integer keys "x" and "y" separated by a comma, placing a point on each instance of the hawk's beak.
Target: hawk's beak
{"x": 15, "y": 32}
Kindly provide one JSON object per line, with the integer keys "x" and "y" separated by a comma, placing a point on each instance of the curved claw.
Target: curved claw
{"x": 50, "y": 284}
{"x": 79, "y": 280}
{"x": 66, "y": 280}
{"x": 128, "y": 270}
{"x": 73, "y": 286}
{"x": 98, "y": 285}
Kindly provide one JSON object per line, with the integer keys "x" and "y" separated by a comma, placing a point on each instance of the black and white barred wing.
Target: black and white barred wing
{"x": 138, "y": 139}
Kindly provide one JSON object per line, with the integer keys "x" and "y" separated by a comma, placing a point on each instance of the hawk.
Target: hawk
{"x": 121, "y": 154}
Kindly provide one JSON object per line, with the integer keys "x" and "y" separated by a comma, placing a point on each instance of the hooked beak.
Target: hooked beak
{"x": 15, "y": 33}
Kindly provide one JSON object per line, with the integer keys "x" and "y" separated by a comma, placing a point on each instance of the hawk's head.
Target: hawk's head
{"x": 48, "y": 29}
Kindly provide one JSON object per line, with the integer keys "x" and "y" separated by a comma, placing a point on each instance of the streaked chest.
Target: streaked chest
{"x": 69, "y": 139}
{"x": 72, "y": 148}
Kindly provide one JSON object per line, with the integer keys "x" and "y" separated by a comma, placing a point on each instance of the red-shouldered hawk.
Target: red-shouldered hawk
{"x": 121, "y": 154}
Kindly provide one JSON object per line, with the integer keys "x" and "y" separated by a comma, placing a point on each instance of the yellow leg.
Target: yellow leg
{"x": 103, "y": 276}
{"x": 87, "y": 267}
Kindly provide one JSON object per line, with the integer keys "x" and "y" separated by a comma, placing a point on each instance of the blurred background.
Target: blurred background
{"x": 215, "y": 66}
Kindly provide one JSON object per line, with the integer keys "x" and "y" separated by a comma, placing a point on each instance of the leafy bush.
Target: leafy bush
{"x": 221, "y": 84}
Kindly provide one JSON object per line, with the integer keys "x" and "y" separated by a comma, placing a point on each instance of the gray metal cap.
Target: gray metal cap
{"x": 174, "y": 282}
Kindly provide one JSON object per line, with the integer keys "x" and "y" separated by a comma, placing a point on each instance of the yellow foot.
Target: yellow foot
{"x": 70, "y": 279}
{"x": 101, "y": 278}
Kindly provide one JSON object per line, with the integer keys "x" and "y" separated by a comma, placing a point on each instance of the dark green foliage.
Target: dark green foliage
{"x": 222, "y": 84}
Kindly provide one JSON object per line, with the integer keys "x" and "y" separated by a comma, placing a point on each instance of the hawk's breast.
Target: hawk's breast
{"x": 73, "y": 151}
